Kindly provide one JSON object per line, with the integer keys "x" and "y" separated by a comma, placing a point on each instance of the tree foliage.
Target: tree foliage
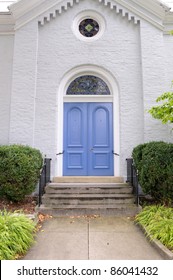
{"x": 163, "y": 111}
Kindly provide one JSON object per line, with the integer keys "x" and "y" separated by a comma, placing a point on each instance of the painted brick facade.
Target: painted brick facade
{"x": 6, "y": 64}
{"x": 137, "y": 54}
{"x": 24, "y": 85}
{"x": 118, "y": 51}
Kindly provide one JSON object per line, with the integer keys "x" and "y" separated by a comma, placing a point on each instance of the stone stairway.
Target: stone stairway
{"x": 86, "y": 198}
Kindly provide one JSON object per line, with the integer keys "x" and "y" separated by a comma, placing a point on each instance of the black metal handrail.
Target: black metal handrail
{"x": 44, "y": 178}
{"x": 132, "y": 178}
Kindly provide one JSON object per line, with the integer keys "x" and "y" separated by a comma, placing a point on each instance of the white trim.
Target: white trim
{"x": 89, "y": 70}
{"x": 94, "y": 98}
{"x": 7, "y": 33}
{"x": 61, "y": 98}
{"x": 151, "y": 10}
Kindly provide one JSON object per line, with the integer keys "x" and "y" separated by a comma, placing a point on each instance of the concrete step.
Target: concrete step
{"x": 106, "y": 210}
{"x": 89, "y": 195}
{"x": 86, "y": 191}
{"x": 88, "y": 188}
{"x": 54, "y": 202}
{"x": 88, "y": 179}
{"x": 92, "y": 206}
{"x": 66, "y": 198}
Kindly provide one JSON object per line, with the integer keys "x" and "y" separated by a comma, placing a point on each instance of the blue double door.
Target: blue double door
{"x": 88, "y": 139}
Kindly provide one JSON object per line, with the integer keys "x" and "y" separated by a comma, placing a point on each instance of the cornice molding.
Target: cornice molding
{"x": 24, "y": 11}
{"x": 6, "y": 23}
{"x": 21, "y": 7}
{"x": 64, "y": 5}
{"x": 168, "y": 23}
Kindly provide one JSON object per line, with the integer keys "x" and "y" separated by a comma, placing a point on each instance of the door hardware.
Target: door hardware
{"x": 115, "y": 154}
{"x": 60, "y": 153}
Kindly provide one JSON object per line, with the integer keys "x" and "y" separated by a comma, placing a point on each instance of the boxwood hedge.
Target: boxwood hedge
{"x": 19, "y": 170}
{"x": 154, "y": 162}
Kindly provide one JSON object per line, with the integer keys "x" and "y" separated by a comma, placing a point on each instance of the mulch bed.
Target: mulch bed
{"x": 27, "y": 205}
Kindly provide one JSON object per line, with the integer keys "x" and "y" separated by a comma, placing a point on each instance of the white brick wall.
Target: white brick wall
{"x": 168, "y": 45}
{"x": 118, "y": 51}
{"x": 24, "y": 85}
{"x": 134, "y": 54}
{"x": 153, "y": 64}
{"x": 6, "y": 63}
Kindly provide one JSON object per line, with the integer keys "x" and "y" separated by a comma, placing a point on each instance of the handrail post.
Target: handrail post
{"x": 44, "y": 178}
{"x": 45, "y": 172}
{"x": 48, "y": 169}
{"x": 136, "y": 185}
{"x": 137, "y": 189}
{"x": 39, "y": 194}
{"x": 129, "y": 170}
{"x": 132, "y": 178}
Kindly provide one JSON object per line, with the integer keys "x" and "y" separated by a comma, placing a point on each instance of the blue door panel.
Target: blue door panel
{"x": 101, "y": 142}
{"x": 88, "y": 139}
{"x": 101, "y": 160}
{"x": 75, "y": 159}
{"x": 75, "y": 121}
{"x": 74, "y": 127}
{"x": 100, "y": 121}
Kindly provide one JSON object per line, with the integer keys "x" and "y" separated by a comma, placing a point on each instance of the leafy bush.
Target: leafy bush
{"x": 16, "y": 235}
{"x": 158, "y": 221}
{"x": 154, "y": 162}
{"x": 137, "y": 155}
{"x": 19, "y": 171}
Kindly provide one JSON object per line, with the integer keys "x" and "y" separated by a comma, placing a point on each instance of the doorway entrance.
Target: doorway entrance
{"x": 88, "y": 139}
{"x": 80, "y": 86}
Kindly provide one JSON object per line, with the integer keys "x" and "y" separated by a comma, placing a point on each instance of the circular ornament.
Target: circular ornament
{"x": 88, "y": 26}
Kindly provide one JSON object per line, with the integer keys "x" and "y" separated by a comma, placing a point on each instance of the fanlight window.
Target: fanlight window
{"x": 88, "y": 85}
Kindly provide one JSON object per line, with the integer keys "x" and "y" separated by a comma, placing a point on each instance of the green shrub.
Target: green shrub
{"x": 137, "y": 155}
{"x": 158, "y": 221}
{"x": 154, "y": 161}
{"x": 19, "y": 171}
{"x": 16, "y": 235}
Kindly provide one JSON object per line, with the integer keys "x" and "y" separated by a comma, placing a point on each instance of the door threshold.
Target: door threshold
{"x": 88, "y": 179}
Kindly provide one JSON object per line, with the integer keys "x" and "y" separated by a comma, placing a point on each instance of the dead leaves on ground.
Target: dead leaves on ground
{"x": 41, "y": 219}
{"x": 87, "y": 217}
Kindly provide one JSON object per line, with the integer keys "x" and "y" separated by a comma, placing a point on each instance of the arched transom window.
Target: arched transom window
{"x": 88, "y": 85}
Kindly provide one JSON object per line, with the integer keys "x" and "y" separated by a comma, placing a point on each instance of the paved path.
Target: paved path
{"x": 94, "y": 238}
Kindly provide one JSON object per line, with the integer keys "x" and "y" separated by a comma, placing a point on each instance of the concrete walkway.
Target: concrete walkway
{"x": 94, "y": 238}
